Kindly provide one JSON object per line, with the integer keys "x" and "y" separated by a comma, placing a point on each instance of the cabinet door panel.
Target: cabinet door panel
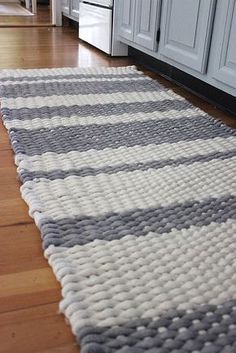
{"x": 65, "y": 6}
{"x": 224, "y": 68}
{"x": 75, "y": 8}
{"x": 186, "y": 31}
{"x": 127, "y": 13}
{"x": 147, "y": 21}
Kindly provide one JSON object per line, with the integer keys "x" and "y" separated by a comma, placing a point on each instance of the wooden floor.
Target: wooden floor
{"x": 29, "y": 292}
{"x": 42, "y": 18}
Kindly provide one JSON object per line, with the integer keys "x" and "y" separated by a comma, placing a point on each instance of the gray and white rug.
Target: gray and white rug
{"x": 134, "y": 192}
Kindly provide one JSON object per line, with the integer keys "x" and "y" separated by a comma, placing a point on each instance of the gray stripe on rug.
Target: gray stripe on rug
{"x": 84, "y": 138}
{"x": 68, "y": 232}
{"x": 67, "y": 77}
{"x": 60, "y": 88}
{"x": 94, "y": 110}
{"x": 206, "y": 329}
{"x": 26, "y": 175}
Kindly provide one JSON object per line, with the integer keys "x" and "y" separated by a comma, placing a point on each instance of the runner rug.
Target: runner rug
{"x": 134, "y": 192}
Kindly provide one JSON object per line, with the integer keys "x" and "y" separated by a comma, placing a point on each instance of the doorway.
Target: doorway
{"x": 26, "y": 13}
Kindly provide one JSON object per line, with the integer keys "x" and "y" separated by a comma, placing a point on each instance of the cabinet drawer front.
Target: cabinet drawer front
{"x": 224, "y": 67}
{"x": 186, "y": 31}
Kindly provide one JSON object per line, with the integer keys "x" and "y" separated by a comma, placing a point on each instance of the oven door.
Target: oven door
{"x": 95, "y": 26}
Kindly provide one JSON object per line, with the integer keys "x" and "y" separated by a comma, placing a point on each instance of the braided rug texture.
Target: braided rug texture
{"x": 134, "y": 192}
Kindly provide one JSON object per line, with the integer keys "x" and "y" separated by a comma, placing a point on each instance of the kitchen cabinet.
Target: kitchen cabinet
{"x": 127, "y": 13}
{"x": 147, "y": 19}
{"x": 224, "y": 44}
{"x": 65, "y": 6}
{"x": 70, "y": 8}
{"x": 197, "y": 37}
{"x": 139, "y": 21}
{"x": 75, "y": 8}
{"x": 186, "y": 32}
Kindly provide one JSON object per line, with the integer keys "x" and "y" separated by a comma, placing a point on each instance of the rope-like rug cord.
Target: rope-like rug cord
{"x": 134, "y": 192}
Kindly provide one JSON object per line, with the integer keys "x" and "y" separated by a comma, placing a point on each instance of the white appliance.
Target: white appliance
{"x": 96, "y": 26}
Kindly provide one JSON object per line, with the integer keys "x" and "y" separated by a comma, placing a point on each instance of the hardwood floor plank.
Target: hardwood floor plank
{"x": 26, "y": 289}
{"x": 21, "y": 249}
{"x": 8, "y": 174}
{"x": 14, "y": 211}
{"x": 4, "y": 139}
{"x": 62, "y": 349}
{"x": 36, "y": 330}
{"x": 9, "y": 185}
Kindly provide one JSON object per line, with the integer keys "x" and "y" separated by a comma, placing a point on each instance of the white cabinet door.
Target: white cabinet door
{"x": 147, "y": 20}
{"x": 186, "y": 28}
{"x": 126, "y": 22}
{"x": 224, "y": 45}
{"x": 65, "y": 6}
{"x": 75, "y": 8}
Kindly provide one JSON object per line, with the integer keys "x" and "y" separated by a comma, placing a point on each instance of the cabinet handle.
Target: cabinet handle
{"x": 158, "y": 36}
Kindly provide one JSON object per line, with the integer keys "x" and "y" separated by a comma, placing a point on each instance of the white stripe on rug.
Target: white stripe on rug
{"x": 50, "y": 161}
{"x": 88, "y": 99}
{"x": 151, "y": 188}
{"x": 101, "y": 120}
{"x": 181, "y": 270}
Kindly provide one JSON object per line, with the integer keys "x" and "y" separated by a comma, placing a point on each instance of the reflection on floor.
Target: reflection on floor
{"x": 13, "y": 9}
{"x": 42, "y": 18}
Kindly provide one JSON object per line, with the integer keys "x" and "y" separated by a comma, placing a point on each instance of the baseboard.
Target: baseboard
{"x": 213, "y": 95}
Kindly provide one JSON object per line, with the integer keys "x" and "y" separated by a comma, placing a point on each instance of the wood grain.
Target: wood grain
{"x": 35, "y": 286}
{"x": 29, "y": 292}
{"x": 35, "y": 329}
{"x": 21, "y": 242}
